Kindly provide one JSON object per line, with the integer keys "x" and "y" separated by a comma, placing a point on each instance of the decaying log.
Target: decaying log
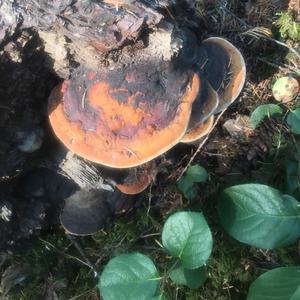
{"x": 94, "y": 33}
{"x": 83, "y": 173}
{"x": 79, "y": 29}
{"x": 64, "y": 57}
{"x": 38, "y": 37}
{"x": 91, "y": 22}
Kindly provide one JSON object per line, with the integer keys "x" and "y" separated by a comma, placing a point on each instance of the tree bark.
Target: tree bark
{"x": 78, "y": 29}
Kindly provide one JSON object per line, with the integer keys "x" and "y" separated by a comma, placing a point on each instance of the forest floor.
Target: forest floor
{"x": 55, "y": 269}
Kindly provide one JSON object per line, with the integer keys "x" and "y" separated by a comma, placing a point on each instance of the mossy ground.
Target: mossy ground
{"x": 57, "y": 267}
{"x": 57, "y": 270}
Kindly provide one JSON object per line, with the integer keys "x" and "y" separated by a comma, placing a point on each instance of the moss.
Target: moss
{"x": 288, "y": 27}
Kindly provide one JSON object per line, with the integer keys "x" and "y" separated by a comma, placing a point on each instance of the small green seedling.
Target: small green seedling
{"x": 188, "y": 183}
{"x": 186, "y": 237}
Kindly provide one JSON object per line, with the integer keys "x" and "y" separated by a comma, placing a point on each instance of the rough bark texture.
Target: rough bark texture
{"x": 97, "y": 24}
{"x": 77, "y": 32}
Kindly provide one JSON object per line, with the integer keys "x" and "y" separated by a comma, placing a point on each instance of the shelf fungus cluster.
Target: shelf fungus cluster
{"x": 125, "y": 115}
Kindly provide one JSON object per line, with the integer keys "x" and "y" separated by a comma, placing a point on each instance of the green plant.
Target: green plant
{"x": 288, "y": 27}
{"x": 292, "y": 176}
{"x": 129, "y": 276}
{"x": 192, "y": 278}
{"x": 254, "y": 214}
{"x": 186, "y": 237}
{"x": 264, "y": 111}
{"x": 279, "y": 284}
{"x": 188, "y": 183}
{"x": 260, "y": 216}
{"x": 293, "y": 121}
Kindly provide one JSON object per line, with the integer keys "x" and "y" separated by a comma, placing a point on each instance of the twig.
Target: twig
{"x": 201, "y": 145}
{"x": 65, "y": 254}
{"x": 259, "y": 33}
{"x": 279, "y": 66}
{"x": 80, "y": 250}
{"x": 150, "y": 235}
{"x": 272, "y": 64}
{"x": 294, "y": 51}
{"x": 82, "y": 294}
{"x": 149, "y": 200}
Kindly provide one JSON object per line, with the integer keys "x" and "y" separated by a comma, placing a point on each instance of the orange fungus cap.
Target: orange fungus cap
{"x": 123, "y": 118}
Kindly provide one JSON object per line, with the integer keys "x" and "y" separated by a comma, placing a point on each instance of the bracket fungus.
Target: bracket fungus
{"x": 197, "y": 132}
{"x": 89, "y": 216}
{"x": 224, "y": 68}
{"x": 86, "y": 217}
{"x": 136, "y": 83}
{"x": 123, "y": 118}
{"x": 138, "y": 179}
{"x": 126, "y": 115}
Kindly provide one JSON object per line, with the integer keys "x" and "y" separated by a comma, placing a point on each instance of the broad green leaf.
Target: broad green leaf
{"x": 277, "y": 284}
{"x": 160, "y": 297}
{"x": 263, "y": 111}
{"x": 186, "y": 235}
{"x": 194, "y": 279}
{"x": 129, "y": 276}
{"x": 197, "y": 174}
{"x": 260, "y": 216}
{"x": 292, "y": 176}
{"x": 293, "y": 121}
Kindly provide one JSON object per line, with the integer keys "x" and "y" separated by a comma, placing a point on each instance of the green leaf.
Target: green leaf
{"x": 194, "y": 279}
{"x": 260, "y": 216}
{"x": 160, "y": 297}
{"x": 263, "y": 111}
{"x": 277, "y": 284}
{"x": 129, "y": 276}
{"x": 293, "y": 121}
{"x": 197, "y": 174}
{"x": 186, "y": 184}
{"x": 187, "y": 188}
{"x": 186, "y": 235}
{"x": 292, "y": 176}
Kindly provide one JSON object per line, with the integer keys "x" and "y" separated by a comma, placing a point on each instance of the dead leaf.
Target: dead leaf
{"x": 239, "y": 127}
